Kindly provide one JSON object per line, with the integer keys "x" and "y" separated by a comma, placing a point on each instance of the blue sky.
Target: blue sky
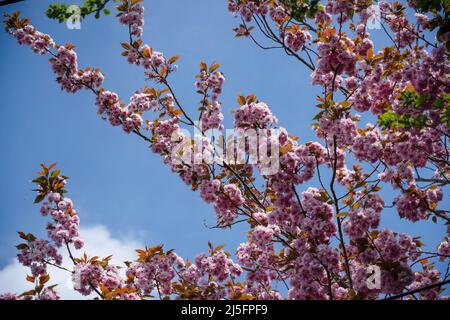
{"x": 115, "y": 180}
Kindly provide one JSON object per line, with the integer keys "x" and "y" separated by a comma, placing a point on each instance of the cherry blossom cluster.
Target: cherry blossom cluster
{"x": 318, "y": 219}
{"x": 309, "y": 266}
{"x": 428, "y": 73}
{"x": 262, "y": 235}
{"x": 334, "y": 60}
{"x": 337, "y": 7}
{"x": 88, "y": 275}
{"x": 156, "y": 272}
{"x": 129, "y": 117}
{"x": 227, "y": 204}
{"x": 444, "y": 250}
{"x": 209, "y": 189}
{"x": 367, "y": 217}
{"x": 65, "y": 226}
{"x": 426, "y": 278}
{"x": 259, "y": 262}
{"x": 344, "y": 130}
{"x": 210, "y": 84}
{"x": 400, "y": 251}
{"x": 36, "y": 254}
{"x": 297, "y": 165}
{"x": 48, "y": 293}
{"x": 247, "y": 8}
{"x": 133, "y": 17}
{"x": 163, "y": 132}
{"x": 372, "y": 93}
{"x": 212, "y": 117}
{"x": 254, "y": 115}
{"x": 397, "y": 148}
{"x": 212, "y": 274}
{"x": 64, "y": 61}
{"x": 297, "y": 38}
{"x": 421, "y": 71}
{"x": 211, "y": 81}
{"x": 399, "y": 24}
{"x": 218, "y": 265}
{"x": 158, "y": 67}
{"x": 165, "y": 274}
{"x": 148, "y": 58}
{"x": 367, "y": 146}
{"x": 391, "y": 252}
{"x": 141, "y": 102}
{"x": 414, "y": 204}
{"x": 37, "y": 41}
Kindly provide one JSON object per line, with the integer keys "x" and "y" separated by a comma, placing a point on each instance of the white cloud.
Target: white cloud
{"x": 98, "y": 242}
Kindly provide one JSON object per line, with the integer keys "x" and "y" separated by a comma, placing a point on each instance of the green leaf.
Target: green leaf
{"x": 39, "y": 198}
{"x": 40, "y": 180}
{"x": 29, "y": 293}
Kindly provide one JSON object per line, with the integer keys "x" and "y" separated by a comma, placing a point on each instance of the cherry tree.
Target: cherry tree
{"x": 323, "y": 243}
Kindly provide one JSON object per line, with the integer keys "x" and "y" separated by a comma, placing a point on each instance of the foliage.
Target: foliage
{"x": 61, "y": 12}
{"x": 440, "y": 9}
